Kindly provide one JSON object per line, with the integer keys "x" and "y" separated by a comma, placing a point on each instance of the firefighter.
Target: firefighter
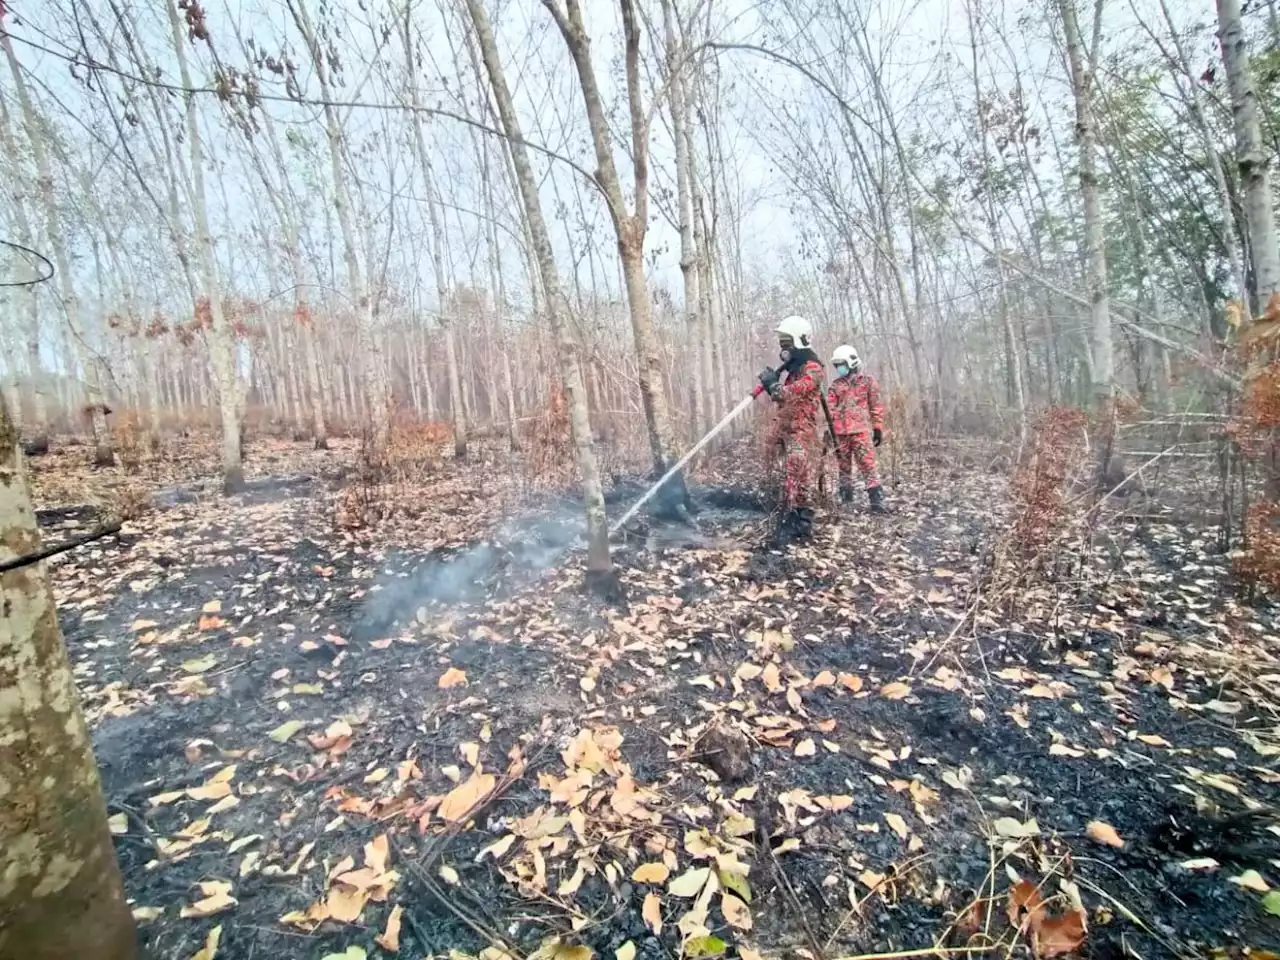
{"x": 858, "y": 416}
{"x": 796, "y": 386}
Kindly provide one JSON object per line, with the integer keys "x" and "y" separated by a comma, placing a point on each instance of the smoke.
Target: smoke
{"x": 519, "y": 550}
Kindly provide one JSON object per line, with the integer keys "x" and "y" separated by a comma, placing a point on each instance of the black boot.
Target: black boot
{"x": 876, "y": 496}
{"x": 846, "y": 493}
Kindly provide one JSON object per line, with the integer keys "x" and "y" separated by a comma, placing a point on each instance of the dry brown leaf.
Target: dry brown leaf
{"x": 345, "y": 902}
{"x": 651, "y": 911}
{"x": 824, "y": 679}
{"x": 895, "y": 691}
{"x": 806, "y": 748}
{"x": 377, "y": 853}
{"x": 736, "y": 913}
{"x": 1102, "y": 832}
{"x": 217, "y": 900}
{"x": 651, "y": 873}
{"x": 850, "y": 681}
{"x": 458, "y": 803}
{"x": 897, "y": 825}
{"x": 389, "y": 939}
{"x": 771, "y": 677}
{"x": 210, "y": 949}
{"x": 453, "y": 677}
{"x": 1055, "y": 936}
{"x": 748, "y": 671}
{"x": 1026, "y": 906}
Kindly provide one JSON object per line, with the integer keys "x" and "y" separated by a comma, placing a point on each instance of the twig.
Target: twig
{"x": 762, "y": 832}
{"x": 924, "y": 952}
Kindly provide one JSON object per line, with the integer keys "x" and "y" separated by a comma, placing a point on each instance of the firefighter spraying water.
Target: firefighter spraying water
{"x": 796, "y": 434}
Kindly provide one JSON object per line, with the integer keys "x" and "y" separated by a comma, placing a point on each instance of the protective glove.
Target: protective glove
{"x": 772, "y": 383}
{"x": 876, "y": 436}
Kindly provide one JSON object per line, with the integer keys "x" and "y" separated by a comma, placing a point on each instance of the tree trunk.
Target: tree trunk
{"x": 629, "y": 228}
{"x": 60, "y": 889}
{"x": 694, "y": 325}
{"x": 1103, "y": 365}
{"x": 221, "y": 337}
{"x": 599, "y": 564}
{"x": 1252, "y": 158}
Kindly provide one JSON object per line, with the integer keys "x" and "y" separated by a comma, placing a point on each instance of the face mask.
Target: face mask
{"x": 785, "y": 353}
{"x": 842, "y": 370}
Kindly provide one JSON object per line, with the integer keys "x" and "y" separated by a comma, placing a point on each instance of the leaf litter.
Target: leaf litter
{"x": 391, "y": 736}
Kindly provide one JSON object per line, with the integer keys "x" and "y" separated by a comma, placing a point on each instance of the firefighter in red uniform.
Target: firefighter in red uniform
{"x": 796, "y": 386}
{"x": 858, "y": 415}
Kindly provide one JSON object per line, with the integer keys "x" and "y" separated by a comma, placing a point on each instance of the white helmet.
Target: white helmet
{"x": 846, "y": 355}
{"x": 798, "y": 329}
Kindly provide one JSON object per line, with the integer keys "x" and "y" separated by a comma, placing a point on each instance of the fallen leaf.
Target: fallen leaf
{"x": 345, "y": 902}
{"x": 286, "y": 730}
{"x": 689, "y": 883}
{"x": 118, "y": 824}
{"x": 895, "y": 691}
{"x": 736, "y": 913}
{"x": 850, "y": 681}
{"x": 389, "y": 939}
{"x": 1015, "y": 829}
{"x": 1252, "y": 880}
{"x": 1055, "y": 936}
{"x": 147, "y": 914}
{"x": 736, "y": 825}
{"x": 449, "y": 875}
{"x": 806, "y": 748}
{"x": 824, "y": 679}
{"x": 651, "y": 873}
{"x": 453, "y": 677}
{"x": 458, "y": 803}
{"x": 569, "y": 887}
{"x": 771, "y": 678}
{"x": 1025, "y": 899}
{"x": 626, "y": 952}
{"x": 498, "y": 848}
{"x": 210, "y": 949}
{"x": 1062, "y": 750}
{"x": 377, "y": 853}
{"x": 708, "y": 946}
{"x": 217, "y": 899}
{"x": 351, "y": 953}
{"x": 1271, "y": 903}
{"x": 1200, "y": 863}
{"x": 898, "y": 825}
{"x": 1105, "y": 833}
{"x": 1224, "y": 706}
{"x": 651, "y": 911}
{"x": 200, "y": 665}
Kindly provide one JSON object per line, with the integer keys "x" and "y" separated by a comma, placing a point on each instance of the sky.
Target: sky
{"x": 913, "y": 41}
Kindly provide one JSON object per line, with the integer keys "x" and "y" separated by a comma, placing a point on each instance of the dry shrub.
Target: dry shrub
{"x": 1259, "y": 562}
{"x": 384, "y": 481}
{"x": 129, "y": 439}
{"x": 130, "y": 502}
{"x": 548, "y": 441}
{"x": 1040, "y": 482}
{"x": 1254, "y": 430}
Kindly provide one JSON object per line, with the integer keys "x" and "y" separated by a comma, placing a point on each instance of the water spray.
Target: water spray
{"x": 711, "y": 434}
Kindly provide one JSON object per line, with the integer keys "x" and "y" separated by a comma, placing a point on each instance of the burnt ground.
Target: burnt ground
{"x": 924, "y": 731}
